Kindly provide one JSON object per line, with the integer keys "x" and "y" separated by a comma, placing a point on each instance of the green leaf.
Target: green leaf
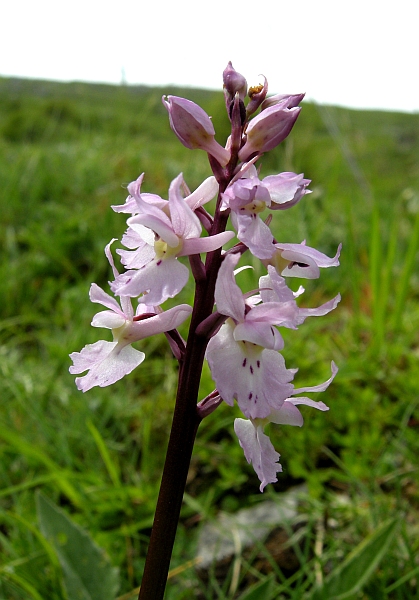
{"x": 349, "y": 578}
{"x": 261, "y": 591}
{"x": 88, "y": 574}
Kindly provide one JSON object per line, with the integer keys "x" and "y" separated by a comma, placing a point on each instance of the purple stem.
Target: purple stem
{"x": 186, "y": 419}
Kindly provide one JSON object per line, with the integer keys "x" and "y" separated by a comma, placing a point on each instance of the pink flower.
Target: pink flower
{"x": 107, "y": 362}
{"x": 257, "y": 446}
{"x": 176, "y": 231}
{"x": 299, "y": 260}
{"x": 286, "y": 189}
{"x": 249, "y": 196}
{"x": 243, "y": 356}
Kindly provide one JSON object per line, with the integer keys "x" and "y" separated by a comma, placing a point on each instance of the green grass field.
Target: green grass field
{"x": 67, "y": 152}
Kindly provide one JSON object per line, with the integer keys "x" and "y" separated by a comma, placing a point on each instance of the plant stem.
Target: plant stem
{"x": 179, "y": 452}
{"x": 182, "y": 436}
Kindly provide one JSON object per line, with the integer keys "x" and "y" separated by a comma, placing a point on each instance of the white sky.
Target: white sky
{"x": 362, "y": 54}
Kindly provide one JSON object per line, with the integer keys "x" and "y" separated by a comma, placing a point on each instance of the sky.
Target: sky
{"x": 360, "y": 54}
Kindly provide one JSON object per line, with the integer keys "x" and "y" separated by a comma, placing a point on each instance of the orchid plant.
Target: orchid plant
{"x": 239, "y": 336}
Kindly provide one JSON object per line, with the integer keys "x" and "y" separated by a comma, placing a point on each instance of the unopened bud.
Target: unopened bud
{"x": 234, "y": 82}
{"x": 292, "y": 100}
{"x": 268, "y": 129}
{"x": 194, "y": 128}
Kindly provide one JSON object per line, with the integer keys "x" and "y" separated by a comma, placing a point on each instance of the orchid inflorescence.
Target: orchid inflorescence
{"x": 240, "y": 338}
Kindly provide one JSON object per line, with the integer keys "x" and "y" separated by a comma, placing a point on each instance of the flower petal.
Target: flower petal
{"x": 203, "y": 194}
{"x": 107, "y": 363}
{"x": 228, "y": 296}
{"x": 259, "y": 451}
{"x": 185, "y": 223}
{"x": 96, "y": 294}
{"x": 288, "y": 414}
{"x": 205, "y": 244}
{"x": 158, "y": 280}
{"x": 108, "y": 319}
{"x": 321, "y": 387}
{"x": 254, "y": 233}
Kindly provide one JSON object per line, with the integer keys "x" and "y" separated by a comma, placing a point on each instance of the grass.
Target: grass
{"x": 67, "y": 151}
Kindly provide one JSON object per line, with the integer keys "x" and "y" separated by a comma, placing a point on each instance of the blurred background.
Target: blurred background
{"x": 80, "y": 117}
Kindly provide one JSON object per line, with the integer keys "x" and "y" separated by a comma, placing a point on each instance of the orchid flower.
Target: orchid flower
{"x": 175, "y": 234}
{"x": 248, "y": 197}
{"x": 243, "y": 355}
{"x": 299, "y": 260}
{"x": 257, "y": 446}
{"x": 107, "y": 362}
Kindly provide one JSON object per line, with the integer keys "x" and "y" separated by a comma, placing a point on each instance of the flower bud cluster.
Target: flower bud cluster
{"x": 264, "y": 132}
{"x": 242, "y": 332}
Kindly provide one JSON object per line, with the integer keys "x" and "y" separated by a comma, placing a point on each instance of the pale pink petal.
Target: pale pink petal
{"x": 161, "y": 279}
{"x": 205, "y": 244}
{"x": 307, "y": 401}
{"x": 158, "y": 222}
{"x": 155, "y": 200}
{"x": 185, "y": 223}
{"x": 322, "y": 386}
{"x": 320, "y": 311}
{"x": 273, "y": 288}
{"x": 259, "y": 451}
{"x": 254, "y": 233}
{"x": 109, "y": 256}
{"x": 108, "y": 319}
{"x": 137, "y": 259}
{"x": 96, "y": 294}
{"x": 288, "y": 414}
{"x": 320, "y": 259}
{"x": 275, "y": 313}
{"x": 257, "y": 332}
{"x": 137, "y": 235}
{"x": 164, "y": 321}
{"x": 228, "y": 296}
{"x": 107, "y": 363}
{"x": 90, "y": 355}
{"x": 286, "y": 189}
{"x": 130, "y": 205}
{"x": 299, "y": 265}
{"x": 203, "y": 194}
